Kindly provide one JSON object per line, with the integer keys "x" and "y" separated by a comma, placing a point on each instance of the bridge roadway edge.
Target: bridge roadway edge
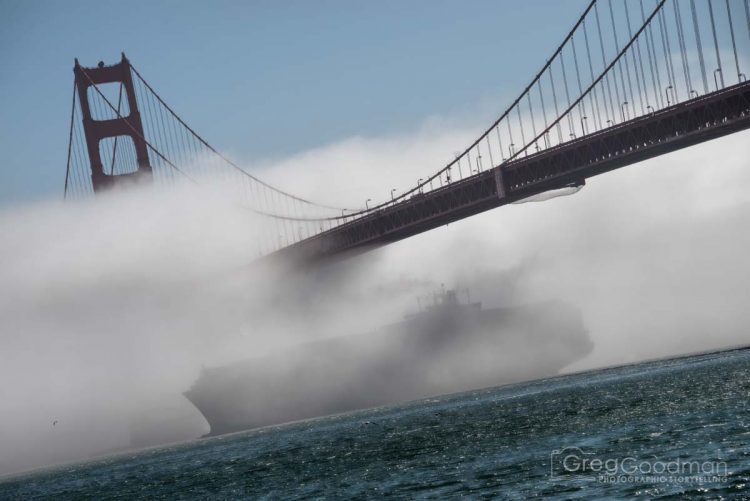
{"x": 685, "y": 124}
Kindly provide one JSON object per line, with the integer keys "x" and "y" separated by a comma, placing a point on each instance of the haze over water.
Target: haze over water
{"x": 650, "y": 424}
{"x": 110, "y": 309}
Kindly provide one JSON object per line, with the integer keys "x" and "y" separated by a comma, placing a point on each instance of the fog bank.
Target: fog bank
{"x": 110, "y": 307}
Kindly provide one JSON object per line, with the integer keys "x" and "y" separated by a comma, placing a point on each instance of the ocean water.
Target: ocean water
{"x": 668, "y": 429}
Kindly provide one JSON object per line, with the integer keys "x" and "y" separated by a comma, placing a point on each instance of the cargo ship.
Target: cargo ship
{"x": 446, "y": 347}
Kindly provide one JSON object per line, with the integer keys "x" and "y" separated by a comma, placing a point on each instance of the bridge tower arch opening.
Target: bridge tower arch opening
{"x": 100, "y": 129}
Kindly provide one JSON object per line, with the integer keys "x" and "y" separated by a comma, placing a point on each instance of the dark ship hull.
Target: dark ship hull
{"x": 447, "y": 349}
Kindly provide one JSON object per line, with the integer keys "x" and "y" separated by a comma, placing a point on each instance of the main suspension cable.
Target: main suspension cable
{"x": 224, "y": 158}
{"x": 606, "y": 70}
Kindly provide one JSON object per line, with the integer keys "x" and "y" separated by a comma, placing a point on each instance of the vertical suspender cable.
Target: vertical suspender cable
{"x": 591, "y": 71}
{"x": 500, "y": 143}
{"x": 651, "y": 49}
{"x": 70, "y": 140}
{"x": 533, "y": 123}
{"x": 734, "y": 44}
{"x": 520, "y": 123}
{"x": 618, "y": 65}
{"x": 82, "y": 153}
{"x": 489, "y": 149}
{"x": 699, "y": 46}
{"x": 554, "y": 99}
{"x": 627, "y": 68}
{"x": 716, "y": 47}
{"x": 582, "y": 107}
{"x": 567, "y": 94}
{"x": 667, "y": 56}
{"x": 683, "y": 49}
{"x": 639, "y": 76}
{"x": 541, "y": 99}
{"x": 604, "y": 65}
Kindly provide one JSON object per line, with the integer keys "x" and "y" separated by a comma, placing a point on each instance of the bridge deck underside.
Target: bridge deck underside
{"x": 682, "y": 125}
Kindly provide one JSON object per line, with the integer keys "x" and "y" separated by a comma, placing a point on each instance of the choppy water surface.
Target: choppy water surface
{"x": 498, "y": 442}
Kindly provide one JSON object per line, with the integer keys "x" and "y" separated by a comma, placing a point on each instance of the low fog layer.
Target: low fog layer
{"x": 110, "y": 307}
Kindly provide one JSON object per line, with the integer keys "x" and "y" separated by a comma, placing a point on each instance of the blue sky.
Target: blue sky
{"x": 265, "y": 78}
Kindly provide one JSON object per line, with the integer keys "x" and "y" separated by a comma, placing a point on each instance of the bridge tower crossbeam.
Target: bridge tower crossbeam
{"x": 97, "y": 130}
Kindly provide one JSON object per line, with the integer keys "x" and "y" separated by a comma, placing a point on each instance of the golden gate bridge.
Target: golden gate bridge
{"x": 630, "y": 81}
